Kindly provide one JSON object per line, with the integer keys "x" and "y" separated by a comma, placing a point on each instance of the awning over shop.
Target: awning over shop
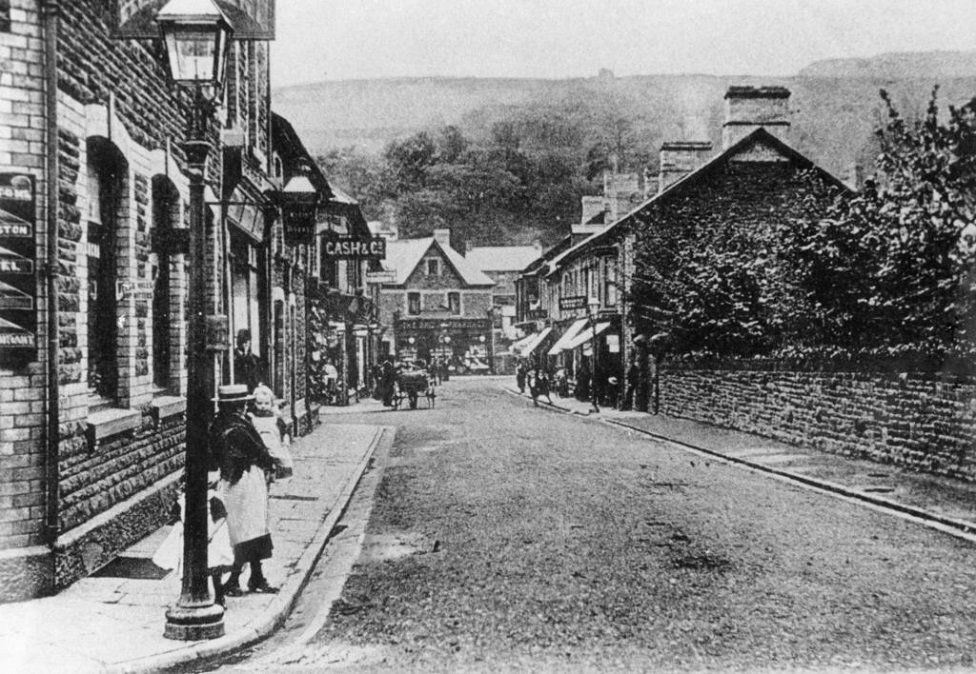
{"x": 587, "y": 335}
{"x": 537, "y": 339}
{"x": 562, "y": 343}
{"x": 518, "y": 347}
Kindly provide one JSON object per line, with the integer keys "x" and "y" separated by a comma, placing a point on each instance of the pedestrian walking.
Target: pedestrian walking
{"x": 582, "y": 389}
{"x": 539, "y": 386}
{"x": 273, "y": 430}
{"x": 388, "y": 381}
{"x": 246, "y": 468}
{"x": 521, "y": 372}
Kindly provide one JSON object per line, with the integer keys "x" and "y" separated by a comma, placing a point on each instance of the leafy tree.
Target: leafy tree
{"x": 888, "y": 271}
{"x": 409, "y": 159}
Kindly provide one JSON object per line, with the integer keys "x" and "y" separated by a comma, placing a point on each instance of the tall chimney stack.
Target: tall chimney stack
{"x": 679, "y": 158}
{"x": 443, "y": 237}
{"x": 748, "y": 108}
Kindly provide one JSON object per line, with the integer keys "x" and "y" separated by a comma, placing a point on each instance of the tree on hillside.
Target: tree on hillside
{"x": 409, "y": 159}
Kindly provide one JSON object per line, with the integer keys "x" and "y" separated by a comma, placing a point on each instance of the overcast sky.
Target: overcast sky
{"x": 351, "y": 39}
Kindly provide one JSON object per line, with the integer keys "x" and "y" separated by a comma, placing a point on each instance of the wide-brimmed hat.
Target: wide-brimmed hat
{"x": 233, "y": 393}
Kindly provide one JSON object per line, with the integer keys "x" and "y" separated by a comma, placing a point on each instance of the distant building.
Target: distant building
{"x": 503, "y": 265}
{"x": 437, "y": 303}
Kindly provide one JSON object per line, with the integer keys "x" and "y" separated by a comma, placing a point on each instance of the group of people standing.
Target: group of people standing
{"x": 599, "y": 387}
{"x": 249, "y": 450}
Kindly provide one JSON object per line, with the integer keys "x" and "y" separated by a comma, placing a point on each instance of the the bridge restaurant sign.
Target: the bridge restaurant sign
{"x": 18, "y": 282}
{"x": 348, "y": 248}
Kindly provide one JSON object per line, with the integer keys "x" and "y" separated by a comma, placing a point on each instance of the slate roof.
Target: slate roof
{"x": 403, "y": 256}
{"x": 688, "y": 181}
{"x": 502, "y": 258}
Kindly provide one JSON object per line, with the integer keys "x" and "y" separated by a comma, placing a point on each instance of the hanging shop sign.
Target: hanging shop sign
{"x": 349, "y": 248}
{"x": 299, "y": 223}
{"x": 18, "y": 282}
{"x": 572, "y": 302}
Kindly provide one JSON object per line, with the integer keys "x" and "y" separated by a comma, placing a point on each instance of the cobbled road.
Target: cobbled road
{"x": 505, "y": 537}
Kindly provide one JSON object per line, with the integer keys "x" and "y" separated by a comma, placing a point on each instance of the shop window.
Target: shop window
{"x": 413, "y": 304}
{"x": 166, "y": 214}
{"x": 454, "y": 303}
{"x": 107, "y": 206}
{"x": 433, "y": 267}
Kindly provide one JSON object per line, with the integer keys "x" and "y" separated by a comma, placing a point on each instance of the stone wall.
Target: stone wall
{"x": 919, "y": 420}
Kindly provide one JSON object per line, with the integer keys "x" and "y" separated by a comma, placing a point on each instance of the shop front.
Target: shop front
{"x": 465, "y": 343}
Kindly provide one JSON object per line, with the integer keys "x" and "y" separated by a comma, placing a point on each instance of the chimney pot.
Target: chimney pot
{"x": 443, "y": 237}
{"x": 679, "y": 158}
{"x": 748, "y": 108}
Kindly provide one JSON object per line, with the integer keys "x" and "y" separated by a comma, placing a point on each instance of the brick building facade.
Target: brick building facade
{"x": 93, "y": 343}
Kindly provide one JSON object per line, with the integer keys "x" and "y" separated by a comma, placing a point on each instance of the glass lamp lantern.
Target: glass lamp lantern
{"x": 197, "y": 36}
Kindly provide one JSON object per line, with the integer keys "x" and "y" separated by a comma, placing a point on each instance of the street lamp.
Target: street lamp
{"x": 196, "y": 34}
{"x": 592, "y": 307}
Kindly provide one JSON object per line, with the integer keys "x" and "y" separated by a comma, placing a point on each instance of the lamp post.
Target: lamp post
{"x": 196, "y": 35}
{"x": 592, "y": 307}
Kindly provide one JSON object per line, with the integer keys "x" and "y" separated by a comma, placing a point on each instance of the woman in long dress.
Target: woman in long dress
{"x": 246, "y": 468}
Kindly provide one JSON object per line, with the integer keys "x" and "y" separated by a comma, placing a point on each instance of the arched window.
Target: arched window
{"x": 166, "y": 214}
{"x": 107, "y": 189}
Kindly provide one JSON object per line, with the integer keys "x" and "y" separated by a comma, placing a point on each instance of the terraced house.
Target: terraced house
{"x": 753, "y": 185}
{"x": 94, "y": 277}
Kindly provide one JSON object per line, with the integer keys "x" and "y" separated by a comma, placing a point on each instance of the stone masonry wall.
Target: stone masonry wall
{"x": 921, "y": 421}
{"x": 22, "y": 377}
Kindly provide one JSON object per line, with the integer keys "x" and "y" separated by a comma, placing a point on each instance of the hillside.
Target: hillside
{"x": 565, "y": 127}
{"x": 835, "y": 103}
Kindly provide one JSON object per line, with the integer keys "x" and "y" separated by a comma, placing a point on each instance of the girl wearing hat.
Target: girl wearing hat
{"x": 246, "y": 467}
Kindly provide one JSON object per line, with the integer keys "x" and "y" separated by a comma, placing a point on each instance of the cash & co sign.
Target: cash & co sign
{"x": 348, "y": 248}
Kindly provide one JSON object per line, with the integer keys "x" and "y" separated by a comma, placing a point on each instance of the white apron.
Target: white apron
{"x": 247, "y": 506}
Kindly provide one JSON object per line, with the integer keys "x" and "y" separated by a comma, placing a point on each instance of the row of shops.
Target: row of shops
{"x": 156, "y": 245}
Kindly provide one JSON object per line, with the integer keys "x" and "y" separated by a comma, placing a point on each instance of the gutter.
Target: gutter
{"x": 52, "y": 436}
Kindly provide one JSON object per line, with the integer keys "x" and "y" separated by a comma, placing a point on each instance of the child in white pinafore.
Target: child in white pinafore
{"x": 267, "y": 420}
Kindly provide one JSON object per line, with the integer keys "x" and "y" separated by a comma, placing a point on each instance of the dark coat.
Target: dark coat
{"x": 236, "y": 446}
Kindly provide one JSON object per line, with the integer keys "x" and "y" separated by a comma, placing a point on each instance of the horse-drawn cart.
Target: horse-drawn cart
{"x": 412, "y": 385}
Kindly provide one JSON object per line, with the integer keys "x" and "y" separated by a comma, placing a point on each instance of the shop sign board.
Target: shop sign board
{"x": 379, "y": 277}
{"x": 18, "y": 282}
{"x": 449, "y": 324}
{"x": 355, "y": 248}
{"x": 572, "y": 302}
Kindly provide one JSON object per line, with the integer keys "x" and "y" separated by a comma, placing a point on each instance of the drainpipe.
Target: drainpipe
{"x": 53, "y": 434}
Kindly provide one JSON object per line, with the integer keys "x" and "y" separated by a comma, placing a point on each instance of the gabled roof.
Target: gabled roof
{"x": 502, "y": 258}
{"x": 689, "y": 181}
{"x": 403, "y": 256}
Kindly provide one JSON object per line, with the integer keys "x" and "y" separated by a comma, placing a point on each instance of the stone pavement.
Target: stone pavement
{"x": 113, "y": 621}
{"x": 943, "y": 503}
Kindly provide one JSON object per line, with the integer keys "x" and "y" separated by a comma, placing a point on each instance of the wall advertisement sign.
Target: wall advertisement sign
{"x": 18, "y": 282}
